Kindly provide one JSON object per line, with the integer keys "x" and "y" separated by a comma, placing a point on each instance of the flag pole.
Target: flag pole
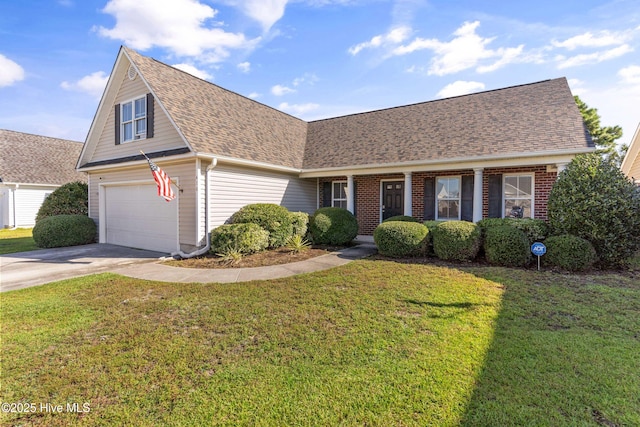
{"x": 172, "y": 181}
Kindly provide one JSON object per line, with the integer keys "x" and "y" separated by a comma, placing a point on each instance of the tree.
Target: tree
{"x": 604, "y": 137}
{"x": 70, "y": 199}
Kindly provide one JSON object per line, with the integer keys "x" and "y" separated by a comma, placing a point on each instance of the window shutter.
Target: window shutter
{"x": 149, "y": 115}
{"x": 429, "y": 199}
{"x": 326, "y": 194}
{"x": 117, "y": 115}
{"x": 495, "y": 196}
{"x": 466, "y": 199}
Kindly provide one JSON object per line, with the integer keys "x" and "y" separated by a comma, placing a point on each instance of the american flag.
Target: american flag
{"x": 163, "y": 181}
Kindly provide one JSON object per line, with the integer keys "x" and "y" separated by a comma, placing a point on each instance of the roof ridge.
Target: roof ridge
{"x": 437, "y": 100}
{"x": 214, "y": 84}
{"x": 42, "y": 136}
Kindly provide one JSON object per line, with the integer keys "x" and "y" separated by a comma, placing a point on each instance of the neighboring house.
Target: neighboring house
{"x": 631, "y": 162}
{"x": 31, "y": 168}
{"x": 488, "y": 154}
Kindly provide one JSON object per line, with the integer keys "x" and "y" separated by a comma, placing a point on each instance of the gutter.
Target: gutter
{"x": 182, "y": 255}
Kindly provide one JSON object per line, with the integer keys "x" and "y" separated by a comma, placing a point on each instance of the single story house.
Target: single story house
{"x": 631, "y": 162}
{"x": 31, "y": 168}
{"x": 489, "y": 154}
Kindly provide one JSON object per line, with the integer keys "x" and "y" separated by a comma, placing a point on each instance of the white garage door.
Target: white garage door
{"x": 137, "y": 217}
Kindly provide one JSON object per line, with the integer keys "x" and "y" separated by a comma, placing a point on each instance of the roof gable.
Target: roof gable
{"x": 36, "y": 159}
{"x": 538, "y": 117}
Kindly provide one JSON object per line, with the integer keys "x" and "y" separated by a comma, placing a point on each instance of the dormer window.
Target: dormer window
{"x": 134, "y": 119}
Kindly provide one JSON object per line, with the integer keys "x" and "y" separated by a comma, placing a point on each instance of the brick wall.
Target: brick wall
{"x": 368, "y": 192}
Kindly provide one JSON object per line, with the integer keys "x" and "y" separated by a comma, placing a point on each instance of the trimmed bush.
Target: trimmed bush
{"x": 300, "y": 223}
{"x": 70, "y": 199}
{"x": 401, "y": 238}
{"x": 456, "y": 240}
{"x": 245, "y": 238}
{"x": 506, "y": 245}
{"x": 333, "y": 226}
{"x": 401, "y": 218}
{"x": 431, "y": 224}
{"x": 535, "y": 229}
{"x": 274, "y": 218}
{"x": 592, "y": 199}
{"x": 64, "y": 230}
{"x": 569, "y": 252}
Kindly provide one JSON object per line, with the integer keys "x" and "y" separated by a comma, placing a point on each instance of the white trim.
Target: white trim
{"x": 632, "y": 153}
{"x": 459, "y": 178}
{"x": 477, "y": 194}
{"x": 350, "y": 194}
{"x": 381, "y": 200}
{"x": 133, "y": 120}
{"x": 494, "y": 161}
{"x": 533, "y": 191}
{"x": 408, "y": 193}
{"x": 333, "y": 198}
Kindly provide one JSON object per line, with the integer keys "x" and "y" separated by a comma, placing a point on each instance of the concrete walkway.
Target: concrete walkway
{"x": 165, "y": 273}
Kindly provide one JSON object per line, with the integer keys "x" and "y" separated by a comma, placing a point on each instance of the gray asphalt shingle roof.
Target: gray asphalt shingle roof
{"x": 536, "y": 117}
{"x": 36, "y": 159}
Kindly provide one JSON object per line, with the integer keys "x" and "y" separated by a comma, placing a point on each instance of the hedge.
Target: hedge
{"x": 333, "y": 226}
{"x": 506, "y": 245}
{"x": 401, "y": 238}
{"x": 69, "y": 199}
{"x": 405, "y": 218}
{"x": 456, "y": 240}
{"x": 535, "y": 229}
{"x": 64, "y": 230}
{"x": 245, "y": 238}
{"x": 569, "y": 252}
{"x": 274, "y": 218}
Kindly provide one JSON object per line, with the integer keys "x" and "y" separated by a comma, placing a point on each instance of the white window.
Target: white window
{"x": 133, "y": 119}
{"x": 518, "y": 196}
{"x": 339, "y": 194}
{"x": 448, "y": 198}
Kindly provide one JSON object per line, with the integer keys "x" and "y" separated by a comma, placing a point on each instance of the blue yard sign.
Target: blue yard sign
{"x": 538, "y": 249}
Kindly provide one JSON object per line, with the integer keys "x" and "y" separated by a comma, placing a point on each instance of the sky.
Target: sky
{"x": 316, "y": 59}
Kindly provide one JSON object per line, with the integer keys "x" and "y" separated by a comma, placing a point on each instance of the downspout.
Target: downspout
{"x": 205, "y": 249}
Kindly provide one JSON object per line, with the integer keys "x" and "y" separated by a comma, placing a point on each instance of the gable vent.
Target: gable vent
{"x": 131, "y": 73}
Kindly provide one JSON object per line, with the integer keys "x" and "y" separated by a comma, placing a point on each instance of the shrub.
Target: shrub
{"x": 401, "y": 238}
{"x": 64, "y": 230}
{"x": 333, "y": 226}
{"x": 431, "y": 224}
{"x": 535, "y": 229}
{"x": 592, "y": 199}
{"x": 300, "y": 223}
{"x": 569, "y": 252}
{"x": 404, "y": 218}
{"x": 245, "y": 238}
{"x": 273, "y": 218}
{"x": 506, "y": 245}
{"x": 70, "y": 199}
{"x": 297, "y": 244}
{"x": 456, "y": 240}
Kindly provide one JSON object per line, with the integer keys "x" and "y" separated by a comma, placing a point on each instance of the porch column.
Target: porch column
{"x": 477, "y": 194}
{"x": 408, "y": 203}
{"x": 350, "y": 194}
{"x": 561, "y": 167}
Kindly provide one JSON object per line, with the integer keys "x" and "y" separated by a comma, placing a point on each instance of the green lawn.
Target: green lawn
{"x": 17, "y": 240}
{"x": 370, "y": 343}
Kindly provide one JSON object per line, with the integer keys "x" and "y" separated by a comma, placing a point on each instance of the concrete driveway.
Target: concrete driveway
{"x": 25, "y": 269}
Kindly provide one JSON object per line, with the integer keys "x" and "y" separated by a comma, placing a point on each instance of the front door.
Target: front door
{"x": 392, "y": 199}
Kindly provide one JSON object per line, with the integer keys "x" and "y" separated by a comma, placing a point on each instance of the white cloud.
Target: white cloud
{"x": 308, "y": 78}
{"x": 188, "y": 68}
{"x": 279, "y": 90}
{"x": 266, "y": 12}
{"x": 592, "y": 58}
{"x": 466, "y": 50}
{"x": 602, "y": 39}
{"x": 393, "y": 37}
{"x": 630, "y": 74}
{"x": 577, "y": 87}
{"x": 297, "y": 109}
{"x": 254, "y": 95}
{"x": 244, "y": 67}
{"x": 93, "y": 84}
{"x": 460, "y": 87}
{"x": 177, "y": 25}
{"x": 10, "y": 72}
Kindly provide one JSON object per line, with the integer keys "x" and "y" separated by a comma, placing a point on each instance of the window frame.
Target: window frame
{"x": 135, "y": 136}
{"x": 459, "y": 199}
{"x": 504, "y": 192}
{"x": 335, "y": 199}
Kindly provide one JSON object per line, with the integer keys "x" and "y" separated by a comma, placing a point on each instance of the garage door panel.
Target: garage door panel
{"x": 137, "y": 217}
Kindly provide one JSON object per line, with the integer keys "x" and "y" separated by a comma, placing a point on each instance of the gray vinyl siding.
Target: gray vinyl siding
{"x": 165, "y": 135}
{"x": 184, "y": 173}
{"x": 233, "y": 188}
